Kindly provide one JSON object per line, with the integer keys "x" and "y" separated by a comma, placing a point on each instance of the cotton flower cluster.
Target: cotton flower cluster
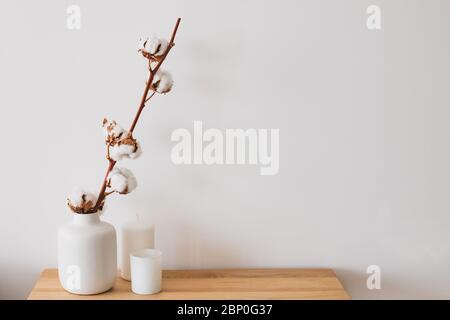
{"x": 121, "y": 144}
{"x": 80, "y": 201}
{"x": 153, "y": 47}
{"x": 122, "y": 180}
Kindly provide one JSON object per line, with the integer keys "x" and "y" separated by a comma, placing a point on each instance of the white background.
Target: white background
{"x": 364, "y": 134}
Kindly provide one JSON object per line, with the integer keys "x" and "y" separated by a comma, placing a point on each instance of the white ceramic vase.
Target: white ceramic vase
{"x": 87, "y": 255}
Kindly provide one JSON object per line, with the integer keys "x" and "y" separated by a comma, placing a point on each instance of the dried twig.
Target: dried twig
{"x": 152, "y": 72}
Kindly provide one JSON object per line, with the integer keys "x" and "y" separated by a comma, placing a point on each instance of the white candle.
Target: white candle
{"x": 136, "y": 235}
{"x": 146, "y": 272}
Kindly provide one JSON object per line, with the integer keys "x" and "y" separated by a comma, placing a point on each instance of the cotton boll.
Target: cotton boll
{"x": 116, "y": 132}
{"x": 132, "y": 184}
{"x": 80, "y": 201}
{"x": 163, "y": 44}
{"x": 113, "y": 130}
{"x": 120, "y": 151}
{"x": 75, "y": 198}
{"x": 89, "y": 197}
{"x": 152, "y": 45}
{"x": 125, "y": 150}
{"x": 164, "y": 81}
{"x": 155, "y": 46}
{"x": 115, "y": 153}
{"x": 122, "y": 180}
{"x": 141, "y": 45}
{"x": 117, "y": 181}
{"x": 131, "y": 179}
{"x": 136, "y": 152}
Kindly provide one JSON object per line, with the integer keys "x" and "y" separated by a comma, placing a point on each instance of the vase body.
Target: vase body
{"x": 87, "y": 255}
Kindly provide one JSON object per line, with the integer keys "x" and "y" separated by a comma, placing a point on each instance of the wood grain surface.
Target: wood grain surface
{"x": 227, "y": 284}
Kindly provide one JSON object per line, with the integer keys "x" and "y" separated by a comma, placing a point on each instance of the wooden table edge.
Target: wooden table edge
{"x": 343, "y": 294}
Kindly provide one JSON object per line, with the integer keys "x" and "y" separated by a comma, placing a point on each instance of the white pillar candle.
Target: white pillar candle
{"x": 146, "y": 274}
{"x": 136, "y": 235}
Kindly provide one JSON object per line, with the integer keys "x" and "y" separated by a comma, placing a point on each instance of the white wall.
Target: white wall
{"x": 364, "y": 128}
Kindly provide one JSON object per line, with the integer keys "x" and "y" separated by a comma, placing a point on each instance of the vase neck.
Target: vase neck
{"x": 86, "y": 218}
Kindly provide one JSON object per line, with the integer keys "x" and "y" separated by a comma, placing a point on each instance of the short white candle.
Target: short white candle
{"x": 146, "y": 274}
{"x": 136, "y": 235}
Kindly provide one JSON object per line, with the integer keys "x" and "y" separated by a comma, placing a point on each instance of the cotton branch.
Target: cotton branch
{"x": 145, "y": 98}
{"x": 152, "y": 73}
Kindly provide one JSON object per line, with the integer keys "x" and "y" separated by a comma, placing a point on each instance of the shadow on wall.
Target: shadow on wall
{"x": 188, "y": 245}
{"x": 193, "y": 247}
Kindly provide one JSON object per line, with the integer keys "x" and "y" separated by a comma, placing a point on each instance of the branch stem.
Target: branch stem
{"x": 152, "y": 75}
{"x": 153, "y": 93}
{"x": 102, "y": 194}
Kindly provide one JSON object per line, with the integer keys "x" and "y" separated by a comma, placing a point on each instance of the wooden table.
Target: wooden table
{"x": 227, "y": 284}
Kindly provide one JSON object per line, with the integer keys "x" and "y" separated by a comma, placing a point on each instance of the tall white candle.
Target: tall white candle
{"x": 136, "y": 235}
